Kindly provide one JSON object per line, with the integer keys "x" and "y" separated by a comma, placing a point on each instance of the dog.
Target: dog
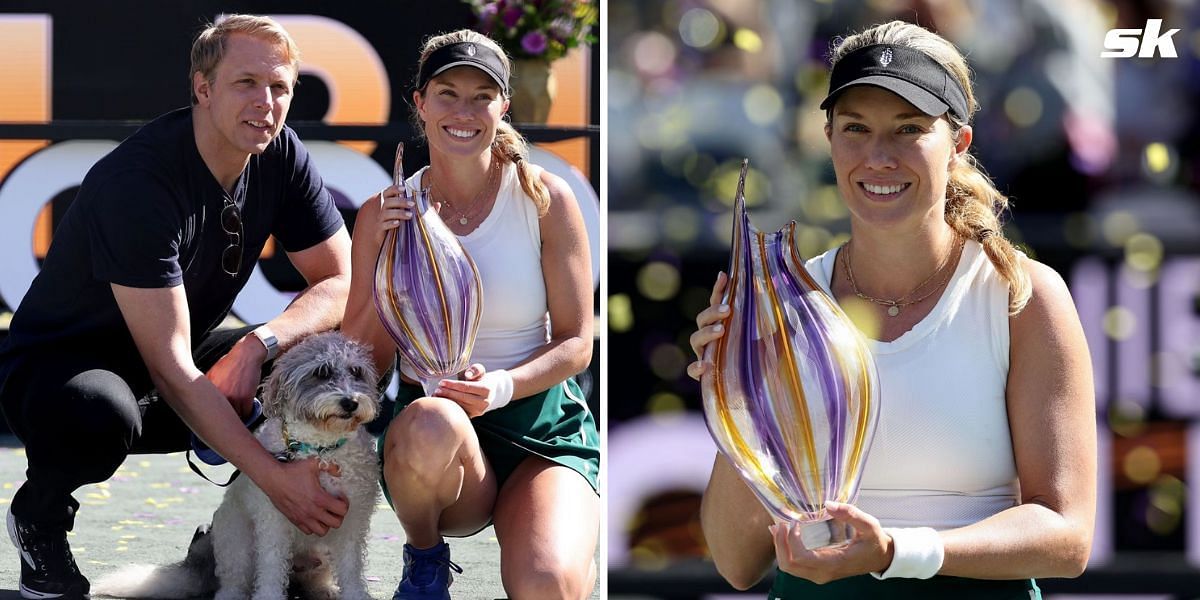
{"x": 317, "y": 399}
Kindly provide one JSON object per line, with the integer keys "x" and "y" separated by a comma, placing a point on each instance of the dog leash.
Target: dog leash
{"x": 196, "y": 470}
{"x": 210, "y": 456}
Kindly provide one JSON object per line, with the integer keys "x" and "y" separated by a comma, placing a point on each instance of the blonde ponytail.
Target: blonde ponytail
{"x": 973, "y": 204}
{"x": 511, "y": 146}
{"x": 973, "y": 209}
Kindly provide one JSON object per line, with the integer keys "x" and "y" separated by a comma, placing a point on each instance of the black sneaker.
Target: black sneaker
{"x": 47, "y": 568}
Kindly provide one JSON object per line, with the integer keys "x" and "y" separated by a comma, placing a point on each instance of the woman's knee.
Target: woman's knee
{"x": 428, "y": 431}
{"x": 547, "y": 578}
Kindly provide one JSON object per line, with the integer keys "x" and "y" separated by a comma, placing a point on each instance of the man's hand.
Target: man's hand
{"x": 237, "y": 374}
{"x": 295, "y": 490}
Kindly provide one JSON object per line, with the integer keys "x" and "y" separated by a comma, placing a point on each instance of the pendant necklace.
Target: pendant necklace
{"x": 465, "y": 217}
{"x": 894, "y": 306}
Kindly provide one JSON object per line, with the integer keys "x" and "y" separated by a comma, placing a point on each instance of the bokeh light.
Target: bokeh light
{"x": 1118, "y": 226}
{"x": 724, "y": 182}
{"x": 700, "y": 28}
{"x": 1119, "y": 323}
{"x": 1023, "y": 106}
{"x": 620, "y": 313}
{"x": 864, "y": 316}
{"x": 811, "y": 241}
{"x": 698, "y": 168}
{"x": 1127, "y": 419}
{"x": 762, "y": 104}
{"x": 658, "y": 280}
{"x": 1143, "y": 252}
{"x": 665, "y": 403}
{"x": 1141, "y": 464}
{"x": 653, "y": 53}
{"x": 1167, "y": 498}
{"x": 668, "y": 361}
{"x": 665, "y": 130}
{"x": 823, "y": 204}
{"x": 748, "y": 40}
{"x": 1158, "y": 157}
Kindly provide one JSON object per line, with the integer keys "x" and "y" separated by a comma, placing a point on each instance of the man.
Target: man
{"x": 162, "y": 235}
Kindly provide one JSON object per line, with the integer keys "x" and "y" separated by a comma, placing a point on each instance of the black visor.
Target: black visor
{"x": 906, "y": 72}
{"x": 464, "y": 54}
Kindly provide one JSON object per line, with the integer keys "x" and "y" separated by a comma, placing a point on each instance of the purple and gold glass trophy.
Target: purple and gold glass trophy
{"x": 794, "y": 399}
{"x": 427, "y": 291}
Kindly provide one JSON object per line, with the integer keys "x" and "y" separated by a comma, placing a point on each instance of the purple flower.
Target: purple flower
{"x": 488, "y": 11}
{"x": 534, "y": 43}
{"x": 560, "y": 29}
{"x": 512, "y": 15}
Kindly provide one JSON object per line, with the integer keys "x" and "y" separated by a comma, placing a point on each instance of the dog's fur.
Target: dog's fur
{"x": 324, "y": 389}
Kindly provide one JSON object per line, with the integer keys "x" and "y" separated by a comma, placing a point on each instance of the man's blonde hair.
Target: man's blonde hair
{"x": 209, "y": 47}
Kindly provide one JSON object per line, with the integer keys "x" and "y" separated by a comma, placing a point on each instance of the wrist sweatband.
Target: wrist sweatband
{"x": 917, "y": 553}
{"x": 501, "y": 385}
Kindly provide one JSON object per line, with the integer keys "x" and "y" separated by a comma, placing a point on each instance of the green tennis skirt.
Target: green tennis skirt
{"x": 788, "y": 587}
{"x": 555, "y": 425}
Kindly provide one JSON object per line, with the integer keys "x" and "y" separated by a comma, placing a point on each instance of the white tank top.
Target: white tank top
{"x": 942, "y": 455}
{"x": 507, "y": 250}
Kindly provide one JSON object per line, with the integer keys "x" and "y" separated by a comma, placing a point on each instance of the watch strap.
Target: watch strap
{"x": 267, "y": 338}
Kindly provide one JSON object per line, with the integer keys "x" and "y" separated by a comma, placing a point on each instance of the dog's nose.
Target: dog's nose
{"x": 349, "y": 404}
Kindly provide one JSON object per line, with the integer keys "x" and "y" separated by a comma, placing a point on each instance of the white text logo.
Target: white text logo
{"x": 1123, "y": 43}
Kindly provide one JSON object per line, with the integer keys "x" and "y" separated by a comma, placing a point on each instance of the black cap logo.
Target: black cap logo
{"x": 886, "y": 57}
{"x": 470, "y": 49}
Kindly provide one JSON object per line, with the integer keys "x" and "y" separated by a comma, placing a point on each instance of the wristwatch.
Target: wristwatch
{"x": 267, "y": 337}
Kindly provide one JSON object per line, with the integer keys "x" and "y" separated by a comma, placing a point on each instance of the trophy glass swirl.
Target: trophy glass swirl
{"x": 794, "y": 399}
{"x": 427, "y": 291}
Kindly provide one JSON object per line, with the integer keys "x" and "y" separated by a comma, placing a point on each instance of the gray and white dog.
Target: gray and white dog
{"x": 317, "y": 398}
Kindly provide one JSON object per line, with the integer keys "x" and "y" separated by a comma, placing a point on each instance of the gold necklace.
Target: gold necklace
{"x": 894, "y": 306}
{"x": 472, "y": 209}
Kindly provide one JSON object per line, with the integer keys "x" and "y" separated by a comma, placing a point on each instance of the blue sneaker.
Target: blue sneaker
{"x": 426, "y": 574}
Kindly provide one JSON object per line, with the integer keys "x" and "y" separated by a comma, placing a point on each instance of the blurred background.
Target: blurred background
{"x": 1100, "y": 156}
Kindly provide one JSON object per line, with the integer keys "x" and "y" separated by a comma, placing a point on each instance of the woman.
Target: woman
{"x": 513, "y": 443}
{"x": 982, "y": 473}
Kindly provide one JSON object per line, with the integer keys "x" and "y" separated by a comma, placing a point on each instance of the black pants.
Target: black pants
{"x": 80, "y": 409}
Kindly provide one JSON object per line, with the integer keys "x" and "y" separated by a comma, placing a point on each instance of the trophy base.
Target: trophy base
{"x": 825, "y": 534}
{"x": 429, "y": 386}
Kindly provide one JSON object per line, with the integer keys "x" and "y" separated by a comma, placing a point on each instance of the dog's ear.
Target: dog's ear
{"x": 360, "y": 354}
{"x": 271, "y": 392}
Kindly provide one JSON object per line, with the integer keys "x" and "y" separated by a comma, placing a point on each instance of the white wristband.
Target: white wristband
{"x": 917, "y": 553}
{"x": 500, "y": 383}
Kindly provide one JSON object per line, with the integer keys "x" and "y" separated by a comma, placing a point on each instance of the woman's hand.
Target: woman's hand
{"x": 480, "y": 391}
{"x": 710, "y": 327}
{"x": 394, "y": 207}
{"x": 869, "y": 549}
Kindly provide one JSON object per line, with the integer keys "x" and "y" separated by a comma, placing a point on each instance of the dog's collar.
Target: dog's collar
{"x": 295, "y": 448}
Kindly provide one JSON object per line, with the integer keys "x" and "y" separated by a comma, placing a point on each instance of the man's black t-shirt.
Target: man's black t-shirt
{"x": 148, "y": 215}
